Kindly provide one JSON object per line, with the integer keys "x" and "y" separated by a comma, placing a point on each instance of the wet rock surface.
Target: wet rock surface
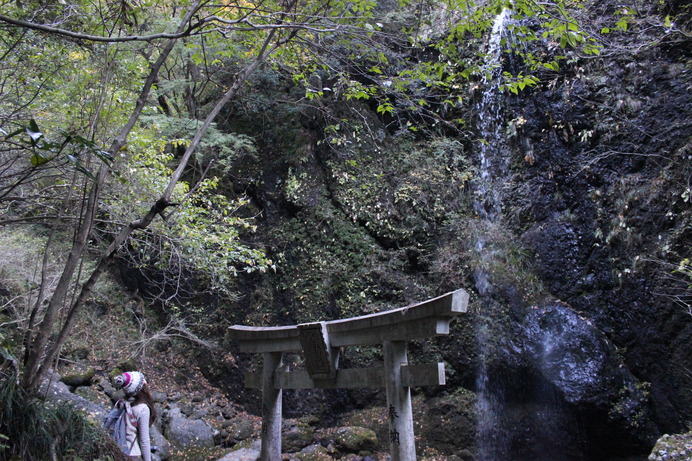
{"x": 574, "y": 356}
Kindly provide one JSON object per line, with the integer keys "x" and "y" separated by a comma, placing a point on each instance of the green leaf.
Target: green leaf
{"x": 37, "y": 160}
{"x": 86, "y": 171}
{"x": 7, "y": 355}
{"x": 553, "y": 65}
{"x": 104, "y": 156}
{"x": 33, "y": 126}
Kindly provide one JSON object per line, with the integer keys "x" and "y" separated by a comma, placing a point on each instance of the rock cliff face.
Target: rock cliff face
{"x": 592, "y": 337}
{"x": 602, "y": 209}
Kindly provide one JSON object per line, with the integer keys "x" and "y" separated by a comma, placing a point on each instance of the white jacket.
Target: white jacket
{"x": 138, "y": 432}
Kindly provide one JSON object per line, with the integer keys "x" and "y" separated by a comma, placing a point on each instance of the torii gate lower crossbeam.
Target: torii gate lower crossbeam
{"x": 321, "y": 342}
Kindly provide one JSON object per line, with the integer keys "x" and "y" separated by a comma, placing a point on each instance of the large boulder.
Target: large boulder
{"x": 296, "y": 435}
{"x": 80, "y": 377}
{"x": 183, "y": 432}
{"x": 355, "y": 439}
{"x": 57, "y": 392}
{"x": 160, "y": 446}
{"x": 238, "y": 429}
{"x": 583, "y": 377}
{"x": 575, "y": 357}
{"x": 676, "y": 447}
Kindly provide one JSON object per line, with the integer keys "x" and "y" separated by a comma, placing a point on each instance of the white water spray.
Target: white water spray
{"x": 487, "y": 200}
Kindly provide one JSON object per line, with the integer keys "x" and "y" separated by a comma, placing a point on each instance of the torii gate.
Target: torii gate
{"x": 321, "y": 343}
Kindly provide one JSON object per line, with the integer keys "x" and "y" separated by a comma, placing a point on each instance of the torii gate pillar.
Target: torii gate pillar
{"x": 271, "y": 407}
{"x": 402, "y": 446}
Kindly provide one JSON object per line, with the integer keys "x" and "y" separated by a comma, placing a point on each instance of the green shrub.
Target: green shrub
{"x": 32, "y": 429}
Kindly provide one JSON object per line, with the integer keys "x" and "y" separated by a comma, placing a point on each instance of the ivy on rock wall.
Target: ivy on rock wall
{"x": 358, "y": 216}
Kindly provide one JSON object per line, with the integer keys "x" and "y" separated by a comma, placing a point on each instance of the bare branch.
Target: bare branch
{"x": 197, "y": 28}
{"x": 99, "y": 38}
{"x": 174, "y": 329}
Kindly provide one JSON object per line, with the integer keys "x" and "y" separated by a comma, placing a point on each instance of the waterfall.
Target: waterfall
{"x": 492, "y": 445}
{"x": 491, "y": 146}
{"x": 487, "y": 200}
{"x": 498, "y": 436}
{"x": 530, "y": 360}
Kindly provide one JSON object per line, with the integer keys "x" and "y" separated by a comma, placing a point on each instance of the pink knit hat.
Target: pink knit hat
{"x": 131, "y": 382}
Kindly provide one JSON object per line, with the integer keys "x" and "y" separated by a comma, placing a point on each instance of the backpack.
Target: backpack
{"x": 115, "y": 423}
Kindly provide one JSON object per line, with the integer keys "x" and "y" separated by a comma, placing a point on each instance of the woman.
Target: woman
{"x": 143, "y": 413}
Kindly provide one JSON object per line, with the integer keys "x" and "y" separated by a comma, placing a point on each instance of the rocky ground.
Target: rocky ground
{"x": 192, "y": 427}
{"x": 197, "y": 422}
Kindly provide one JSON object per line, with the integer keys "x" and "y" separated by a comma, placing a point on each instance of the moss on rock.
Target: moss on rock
{"x": 676, "y": 447}
{"x": 355, "y": 439}
{"x": 79, "y": 378}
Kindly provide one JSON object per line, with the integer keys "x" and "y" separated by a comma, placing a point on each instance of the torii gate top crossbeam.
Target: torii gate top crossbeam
{"x": 416, "y": 321}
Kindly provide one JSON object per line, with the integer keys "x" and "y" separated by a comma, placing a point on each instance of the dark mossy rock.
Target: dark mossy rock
{"x": 93, "y": 395}
{"x": 187, "y": 408}
{"x": 79, "y": 353}
{"x": 448, "y": 422}
{"x": 374, "y": 418}
{"x": 79, "y": 378}
{"x": 296, "y": 435}
{"x": 240, "y": 429}
{"x": 127, "y": 365}
{"x": 229, "y": 411}
{"x": 355, "y": 439}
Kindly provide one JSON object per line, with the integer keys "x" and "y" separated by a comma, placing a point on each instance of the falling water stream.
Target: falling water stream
{"x": 492, "y": 446}
{"x": 487, "y": 200}
{"x": 495, "y": 436}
